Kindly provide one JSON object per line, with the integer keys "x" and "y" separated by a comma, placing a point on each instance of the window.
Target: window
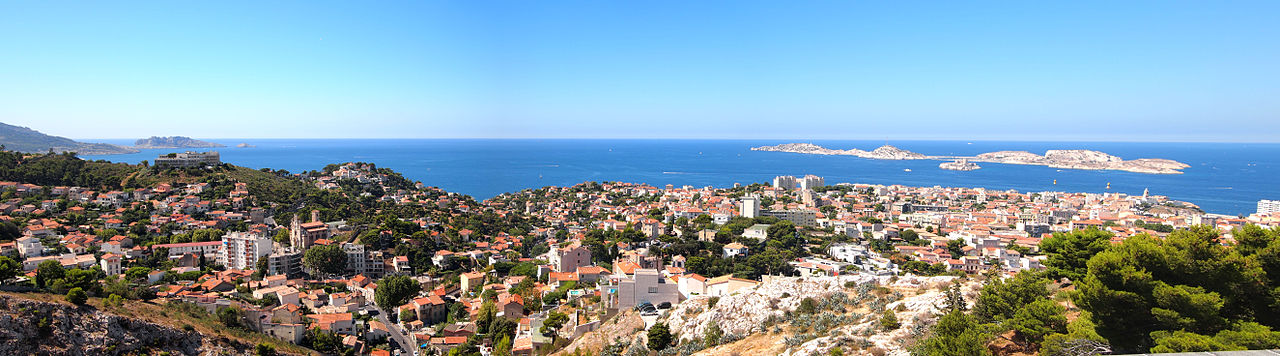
{"x": 653, "y": 289}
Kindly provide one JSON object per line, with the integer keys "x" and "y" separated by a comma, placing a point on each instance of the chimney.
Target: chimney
{"x": 315, "y": 216}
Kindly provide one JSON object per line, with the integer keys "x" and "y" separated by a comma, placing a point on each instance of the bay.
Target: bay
{"x": 1225, "y": 178}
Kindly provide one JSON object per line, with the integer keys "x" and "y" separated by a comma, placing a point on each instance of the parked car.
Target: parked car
{"x": 664, "y": 305}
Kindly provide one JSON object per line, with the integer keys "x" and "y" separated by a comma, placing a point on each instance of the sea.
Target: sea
{"x": 1224, "y": 178}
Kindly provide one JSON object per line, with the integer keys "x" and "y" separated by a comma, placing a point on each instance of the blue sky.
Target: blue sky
{"x": 1032, "y": 70}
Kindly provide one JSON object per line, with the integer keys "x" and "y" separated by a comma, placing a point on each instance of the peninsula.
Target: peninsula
{"x": 1064, "y": 159}
{"x": 22, "y": 139}
{"x": 174, "y": 142}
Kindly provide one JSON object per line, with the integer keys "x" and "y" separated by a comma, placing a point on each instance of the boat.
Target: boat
{"x": 906, "y": 170}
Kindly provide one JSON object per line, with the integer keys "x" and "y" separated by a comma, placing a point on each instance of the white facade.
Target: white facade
{"x": 750, "y": 207}
{"x": 242, "y": 250}
{"x": 1268, "y": 206}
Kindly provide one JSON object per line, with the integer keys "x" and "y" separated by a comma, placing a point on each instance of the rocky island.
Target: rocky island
{"x": 1064, "y": 159}
{"x": 174, "y": 142}
{"x": 959, "y": 165}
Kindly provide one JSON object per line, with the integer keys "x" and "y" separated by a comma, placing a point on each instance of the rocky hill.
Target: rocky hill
{"x": 49, "y": 328}
{"x": 174, "y": 142}
{"x": 882, "y": 152}
{"x": 22, "y": 139}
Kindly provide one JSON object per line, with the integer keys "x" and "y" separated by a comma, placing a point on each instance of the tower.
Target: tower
{"x": 750, "y": 207}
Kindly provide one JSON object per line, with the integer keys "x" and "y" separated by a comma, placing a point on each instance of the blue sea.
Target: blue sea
{"x": 1225, "y": 178}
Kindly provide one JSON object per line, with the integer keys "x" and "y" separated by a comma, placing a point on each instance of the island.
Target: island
{"x": 959, "y": 165}
{"x": 245, "y": 145}
{"x": 1064, "y": 159}
{"x": 174, "y": 142}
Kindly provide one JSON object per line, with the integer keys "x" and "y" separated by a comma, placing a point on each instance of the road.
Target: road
{"x": 406, "y": 342}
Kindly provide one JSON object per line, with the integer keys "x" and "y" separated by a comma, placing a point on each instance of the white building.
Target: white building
{"x": 242, "y": 250}
{"x": 110, "y": 264}
{"x": 750, "y": 207}
{"x": 784, "y": 182}
{"x": 29, "y": 246}
{"x": 757, "y": 231}
{"x": 1268, "y": 206}
{"x": 811, "y": 181}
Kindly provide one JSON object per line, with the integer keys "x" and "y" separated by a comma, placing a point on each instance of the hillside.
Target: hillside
{"x": 22, "y": 139}
{"x": 174, "y": 142}
{"x": 58, "y": 328}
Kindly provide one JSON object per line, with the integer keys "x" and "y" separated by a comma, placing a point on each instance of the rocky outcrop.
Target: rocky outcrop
{"x": 174, "y": 142}
{"x": 1064, "y": 159}
{"x": 48, "y": 328}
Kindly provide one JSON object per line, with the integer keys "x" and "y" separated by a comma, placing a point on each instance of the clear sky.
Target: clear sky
{"x": 1020, "y": 70}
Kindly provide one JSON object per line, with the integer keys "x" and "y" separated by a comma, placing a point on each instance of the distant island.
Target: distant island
{"x": 1065, "y": 159}
{"x": 22, "y": 139}
{"x": 245, "y": 145}
{"x": 174, "y": 142}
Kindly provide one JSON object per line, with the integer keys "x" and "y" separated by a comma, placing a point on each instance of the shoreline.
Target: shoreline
{"x": 1060, "y": 159}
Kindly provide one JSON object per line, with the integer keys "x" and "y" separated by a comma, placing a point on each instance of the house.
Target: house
{"x": 569, "y": 258}
{"x": 735, "y": 249}
{"x": 430, "y": 309}
{"x": 760, "y": 232}
{"x": 727, "y": 284}
{"x": 110, "y": 264}
{"x": 340, "y": 323}
{"x": 29, "y": 246}
{"x": 647, "y": 286}
{"x": 510, "y": 306}
{"x": 471, "y": 280}
{"x": 692, "y": 284}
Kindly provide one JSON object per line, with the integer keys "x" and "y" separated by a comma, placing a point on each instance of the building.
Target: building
{"x": 110, "y": 264}
{"x": 241, "y": 250}
{"x": 757, "y": 231}
{"x": 750, "y": 207}
{"x": 735, "y": 249}
{"x": 302, "y": 235}
{"x": 29, "y": 246}
{"x": 208, "y": 249}
{"x": 286, "y": 262}
{"x": 569, "y": 258}
{"x": 797, "y": 216}
{"x": 1268, "y": 206}
{"x": 647, "y": 286}
{"x": 357, "y": 260}
{"x": 189, "y": 159}
{"x": 811, "y": 181}
{"x": 784, "y": 182}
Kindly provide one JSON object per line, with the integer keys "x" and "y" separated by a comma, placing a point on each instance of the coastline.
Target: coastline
{"x": 1061, "y": 159}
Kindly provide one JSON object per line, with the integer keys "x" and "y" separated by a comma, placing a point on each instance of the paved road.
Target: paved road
{"x": 406, "y": 342}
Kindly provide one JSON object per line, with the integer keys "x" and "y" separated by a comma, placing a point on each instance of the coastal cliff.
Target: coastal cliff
{"x": 174, "y": 142}
{"x": 1063, "y": 159}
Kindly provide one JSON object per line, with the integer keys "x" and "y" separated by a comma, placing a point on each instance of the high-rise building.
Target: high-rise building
{"x": 750, "y": 207}
{"x": 241, "y": 250}
{"x": 285, "y": 261}
{"x": 784, "y": 182}
{"x": 1268, "y": 206}
{"x": 811, "y": 181}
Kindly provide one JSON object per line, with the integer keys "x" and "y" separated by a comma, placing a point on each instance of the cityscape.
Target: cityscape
{"x": 639, "y": 179}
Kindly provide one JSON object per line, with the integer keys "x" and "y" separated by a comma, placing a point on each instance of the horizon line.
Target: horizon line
{"x": 89, "y": 140}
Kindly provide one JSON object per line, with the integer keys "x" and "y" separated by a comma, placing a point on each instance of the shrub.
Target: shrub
{"x": 77, "y": 296}
{"x": 711, "y": 303}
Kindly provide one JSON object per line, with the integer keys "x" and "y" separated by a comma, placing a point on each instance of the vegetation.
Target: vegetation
{"x": 77, "y": 296}
{"x": 329, "y": 259}
{"x": 659, "y": 337}
{"x": 394, "y": 291}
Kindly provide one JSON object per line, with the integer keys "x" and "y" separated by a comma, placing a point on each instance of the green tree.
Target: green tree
{"x": 553, "y": 322}
{"x": 9, "y": 268}
{"x": 326, "y": 259}
{"x": 1069, "y": 253}
{"x": 77, "y": 296}
{"x": 659, "y": 337}
{"x": 1001, "y": 298}
{"x": 1038, "y": 319}
{"x": 231, "y": 317}
{"x": 265, "y": 350}
{"x": 47, "y": 272}
{"x": 503, "y": 348}
{"x": 807, "y": 306}
{"x": 394, "y": 291}
{"x": 956, "y": 334}
{"x": 889, "y": 321}
{"x": 484, "y": 317}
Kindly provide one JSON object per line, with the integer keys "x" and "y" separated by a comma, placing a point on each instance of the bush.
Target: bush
{"x": 77, "y": 296}
{"x": 711, "y": 303}
{"x": 807, "y": 306}
{"x": 188, "y": 328}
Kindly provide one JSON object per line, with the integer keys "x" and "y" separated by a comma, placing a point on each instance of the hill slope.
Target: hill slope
{"x": 22, "y": 139}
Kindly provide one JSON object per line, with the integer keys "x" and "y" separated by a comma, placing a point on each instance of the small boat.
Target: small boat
{"x": 906, "y": 170}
